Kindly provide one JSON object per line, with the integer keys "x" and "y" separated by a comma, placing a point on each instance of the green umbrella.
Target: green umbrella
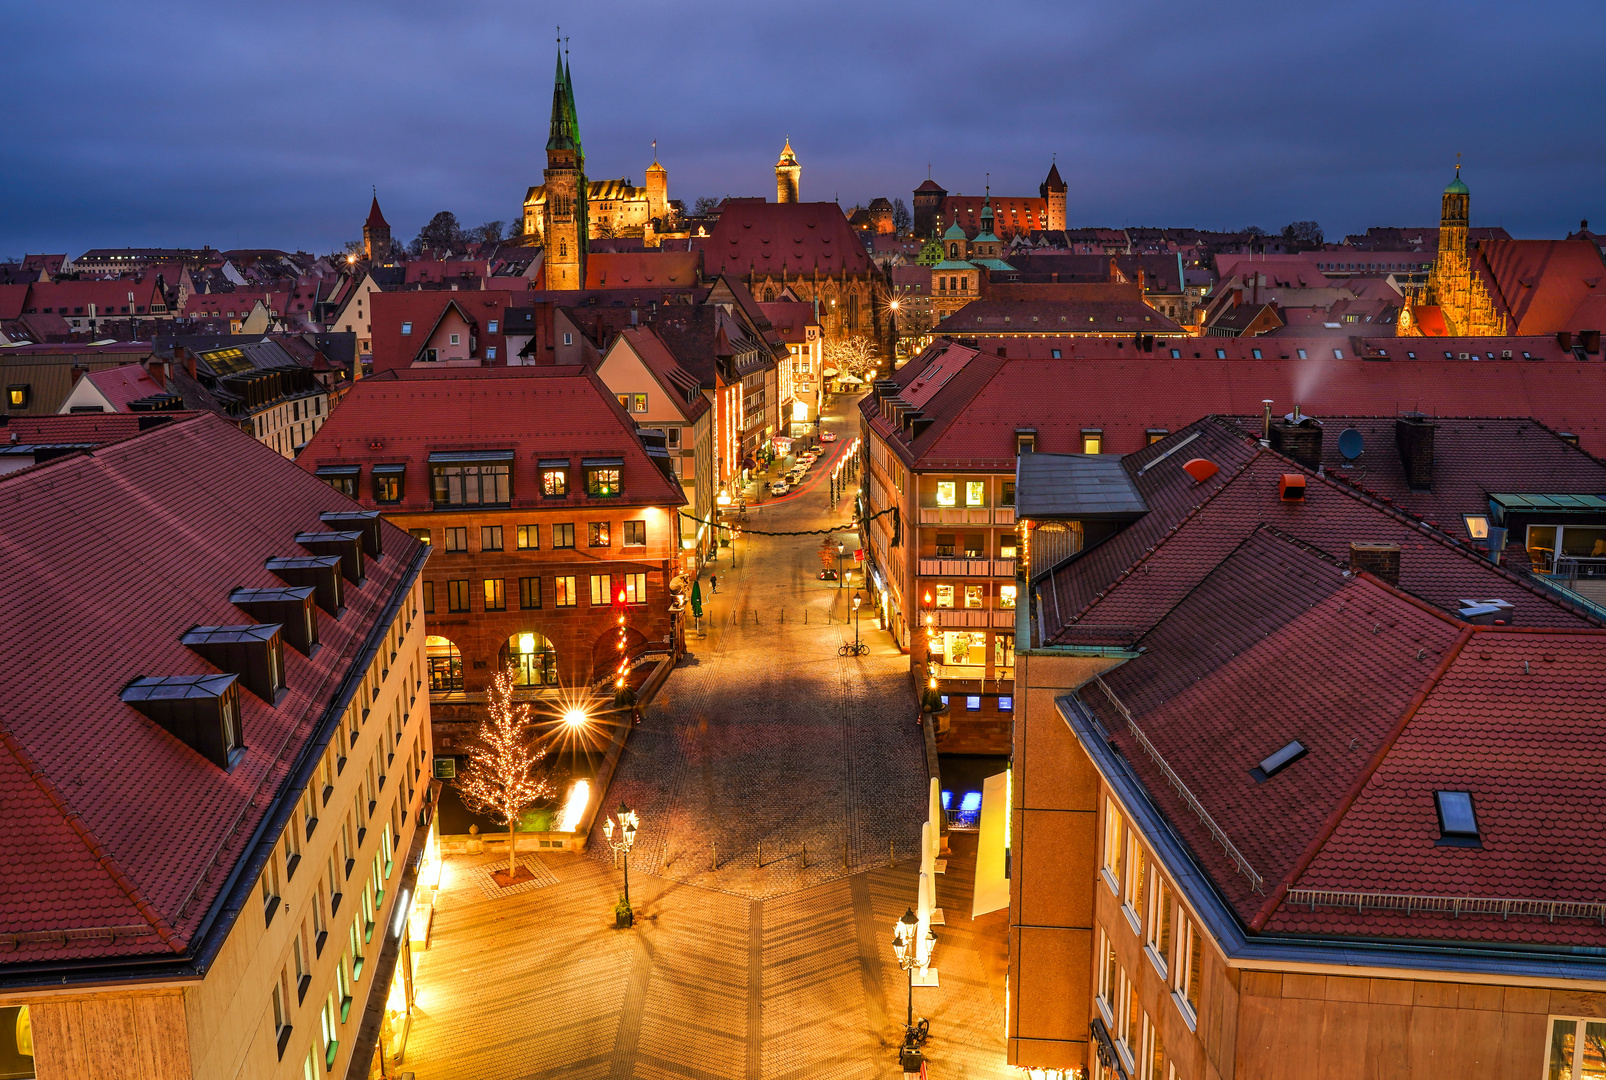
{"x": 697, "y": 599}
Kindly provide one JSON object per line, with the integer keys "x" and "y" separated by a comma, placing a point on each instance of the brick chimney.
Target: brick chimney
{"x": 1413, "y": 435}
{"x": 1380, "y": 560}
{"x": 1301, "y": 441}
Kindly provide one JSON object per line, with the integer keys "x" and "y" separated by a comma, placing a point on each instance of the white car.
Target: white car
{"x": 779, "y": 487}
{"x": 807, "y": 460}
{"x": 828, "y": 436}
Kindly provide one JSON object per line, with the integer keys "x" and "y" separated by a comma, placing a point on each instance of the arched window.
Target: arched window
{"x": 563, "y": 248}
{"x": 445, "y": 665}
{"x": 535, "y": 662}
{"x": 953, "y": 251}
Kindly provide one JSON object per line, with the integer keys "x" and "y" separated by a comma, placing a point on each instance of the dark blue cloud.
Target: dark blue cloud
{"x": 192, "y": 123}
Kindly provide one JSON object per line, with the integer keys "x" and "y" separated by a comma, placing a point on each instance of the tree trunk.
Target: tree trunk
{"x": 512, "y": 867}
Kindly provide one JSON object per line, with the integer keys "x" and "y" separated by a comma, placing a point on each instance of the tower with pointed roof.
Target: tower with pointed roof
{"x": 564, "y": 227}
{"x": 1053, "y": 193}
{"x": 375, "y": 234}
{"x": 1456, "y": 300}
{"x": 787, "y": 174}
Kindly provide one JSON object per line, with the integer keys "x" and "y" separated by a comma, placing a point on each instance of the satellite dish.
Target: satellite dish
{"x": 1350, "y": 444}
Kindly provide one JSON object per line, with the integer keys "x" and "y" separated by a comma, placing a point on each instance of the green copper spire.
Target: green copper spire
{"x": 562, "y": 135}
{"x": 574, "y": 116}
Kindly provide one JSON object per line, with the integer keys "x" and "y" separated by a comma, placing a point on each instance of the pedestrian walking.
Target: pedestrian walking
{"x": 713, "y": 582}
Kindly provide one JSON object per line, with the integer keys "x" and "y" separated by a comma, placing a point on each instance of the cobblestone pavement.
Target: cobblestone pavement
{"x": 764, "y": 967}
{"x": 537, "y": 985}
{"x": 765, "y": 743}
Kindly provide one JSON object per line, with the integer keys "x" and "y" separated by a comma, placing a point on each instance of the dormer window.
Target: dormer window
{"x": 1025, "y": 440}
{"x": 18, "y": 395}
{"x": 343, "y": 478}
{"x": 1458, "y": 819}
{"x": 555, "y": 478}
{"x": 390, "y": 483}
{"x": 481, "y": 478}
{"x": 201, "y": 711}
{"x": 292, "y": 608}
{"x": 255, "y": 653}
{"x": 602, "y": 477}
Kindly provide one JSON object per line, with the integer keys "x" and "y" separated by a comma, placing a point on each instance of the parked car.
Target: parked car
{"x": 795, "y": 477}
{"x": 778, "y": 487}
{"x": 808, "y": 459}
{"x": 815, "y": 450}
{"x": 828, "y": 436}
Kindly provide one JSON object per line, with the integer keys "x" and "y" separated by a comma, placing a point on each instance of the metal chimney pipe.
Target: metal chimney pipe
{"x": 1265, "y": 428}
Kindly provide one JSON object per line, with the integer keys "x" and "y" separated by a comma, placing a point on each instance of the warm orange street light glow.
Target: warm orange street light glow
{"x": 575, "y": 718}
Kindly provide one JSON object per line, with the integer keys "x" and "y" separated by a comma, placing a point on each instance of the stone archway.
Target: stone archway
{"x": 445, "y": 664}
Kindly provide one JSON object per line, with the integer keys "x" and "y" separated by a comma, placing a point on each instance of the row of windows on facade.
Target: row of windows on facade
{"x": 139, "y": 309}
{"x": 1172, "y": 940}
{"x": 975, "y": 492}
{"x": 310, "y": 939}
{"x": 973, "y": 545}
{"x": 599, "y": 534}
{"x": 407, "y": 328}
{"x": 606, "y": 589}
{"x": 298, "y": 411}
{"x": 469, "y": 485}
{"x": 968, "y": 648}
{"x": 974, "y": 596}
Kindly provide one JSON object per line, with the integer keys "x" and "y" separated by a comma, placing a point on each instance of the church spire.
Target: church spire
{"x": 562, "y": 135}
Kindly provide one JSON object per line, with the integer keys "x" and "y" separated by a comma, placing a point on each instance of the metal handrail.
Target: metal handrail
{"x": 1455, "y": 906}
{"x": 1216, "y": 831}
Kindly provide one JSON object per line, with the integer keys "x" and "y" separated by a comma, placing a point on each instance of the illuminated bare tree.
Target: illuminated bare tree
{"x": 852, "y": 355}
{"x": 506, "y": 773}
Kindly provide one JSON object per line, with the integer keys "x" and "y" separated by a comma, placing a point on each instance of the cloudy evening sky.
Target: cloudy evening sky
{"x": 264, "y": 125}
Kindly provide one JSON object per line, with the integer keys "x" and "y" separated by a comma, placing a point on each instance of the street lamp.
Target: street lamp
{"x": 858, "y": 646}
{"x": 905, "y": 946}
{"x": 625, "y": 822}
{"x": 840, "y": 549}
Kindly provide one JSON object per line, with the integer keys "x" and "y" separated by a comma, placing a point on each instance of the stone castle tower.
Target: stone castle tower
{"x": 565, "y": 230}
{"x": 1053, "y": 193}
{"x": 375, "y": 234}
{"x": 787, "y": 173}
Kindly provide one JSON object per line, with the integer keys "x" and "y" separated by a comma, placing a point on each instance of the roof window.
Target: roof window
{"x": 363, "y": 521}
{"x": 343, "y": 478}
{"x": 18, "y": 395}
{"x": 1301, "y": 353}
{"x": 291, "y": 608}
{"x": 407, "y": 328}
{"x": 322, "y": 572}
{"x": 1458, "y": 819}
{"x": 1477, "y": 525}
{"x": 1276, "y": 763}
{"x": 346, "y": 545}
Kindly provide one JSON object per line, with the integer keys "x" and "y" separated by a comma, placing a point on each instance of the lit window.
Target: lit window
{"x": 975, "y": 492}
{"x": 599, "y": 590}
{"x": 1159, "y": 923}
{"x": 490, "y": 538}
{"x": 18, "y": 395}
{"x": 945, "y": 596}
{"x": 1477, "y": 526}
{"x": 564, "y": 587}
{"x": 639, "y": 403}
{"x": 1155, "y": 434}
{"x": 947, "y": 493}
{"x": 635, "y": 588}
{"x": 1458, "y": 820}
{"x": 1006, "y": 596}
{"x": 973, "y": 596}
{"x": 1092, "y": 441}
{"x": 602, "y": 481}
{"x": 563, "y": 535}
{"x": 1114, "y": 867}
{"x": 495, "y": 597}
{"x": 597, "y": 534}
{"x": 1575, "y": 1049}
{"x": 554, "y": 482}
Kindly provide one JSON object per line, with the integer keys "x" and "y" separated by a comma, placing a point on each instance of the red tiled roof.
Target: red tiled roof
{"x": 12, "y": 299}
{"x": 375, "y": 217}
{"x": 111, "y": 821}
{"x": 438, "y": 270}
{"x": 1138, "y": 575}
{"x": 412, "y": 413}
{"x": 1111, "y": 309}
{"x": 1107, "y": 384}
{"x": 754, "y": 236}
{"x": 235, "y": 305}
{"x": 96, "y": 428}
{"x": 122, "y": 384}
{"x": 1539, "y": 284}
{"x": 642, "y": 269}
{"x": 389, "y": 311}
{"x": 790, "y": 319}
{"x": 1392, "y": 702}
{"x": 1010, "y": 215}
{"x": 1472, "y": 457}
{"x": 118, "y": 296}
{"x": 675, "y": 380}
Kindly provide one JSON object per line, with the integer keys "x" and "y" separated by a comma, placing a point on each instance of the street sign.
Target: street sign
{"x": 445, "y": 768}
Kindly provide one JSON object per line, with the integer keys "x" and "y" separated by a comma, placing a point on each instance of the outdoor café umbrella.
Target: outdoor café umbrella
{"x": 697, "y": 599}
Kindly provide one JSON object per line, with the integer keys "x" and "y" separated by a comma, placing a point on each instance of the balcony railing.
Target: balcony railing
{"x": 999, "y": 618}
{"x": 942, "y": 566}
{"x": 967, "y": 515}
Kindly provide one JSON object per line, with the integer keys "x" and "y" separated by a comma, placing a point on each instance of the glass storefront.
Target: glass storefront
{"x": 16, "y": 1043}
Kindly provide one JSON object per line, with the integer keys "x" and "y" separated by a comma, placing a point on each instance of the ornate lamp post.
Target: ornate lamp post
{"x": 905, "y": 946}
{"x": 625, "y": 822}
{"x": 858, "y": 646}
{"x": 840, "y": 549}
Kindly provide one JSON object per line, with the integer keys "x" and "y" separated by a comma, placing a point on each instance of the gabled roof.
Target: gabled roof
{"x": 1117, "y": 590}
{"x": 128, "y": 819}
{"x": 676, "y": 381}
{"x": 412, "y": 413}
{"x": 1541, "y": 284}
{"x": 375, "y": 218}
{"x": 1107, "y": 309}
{"x": 642, "y": 269}
{"x": 1391, "y": 701}
{"x": 120, "y": 385}
{"x": 754, "y": 236}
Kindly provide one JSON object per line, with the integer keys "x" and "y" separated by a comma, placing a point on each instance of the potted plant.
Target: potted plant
{"x": 623, "y": 916}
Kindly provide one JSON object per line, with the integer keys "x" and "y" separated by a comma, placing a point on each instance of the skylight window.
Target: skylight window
{"x": 1458, "y": 820}
{"x": 1279, "y": 761}
{"x": 1477, "y": 526}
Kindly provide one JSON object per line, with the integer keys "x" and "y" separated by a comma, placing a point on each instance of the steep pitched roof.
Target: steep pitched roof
{"x": 675, "y": 380}
{"x": 1116, "y": 591}
{"x": 1109, "y": 309}
{"x": 642, "y": 269}
{"x": 1391, "y": 701}
{"x": 375, "y": 218}
{"x": 799, "y": 239}
{"x": 1540, "y": 284}
{"x": 413, "y": 413}
{"x": 120, "y": 385}
{"x": 128, "y": 819}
